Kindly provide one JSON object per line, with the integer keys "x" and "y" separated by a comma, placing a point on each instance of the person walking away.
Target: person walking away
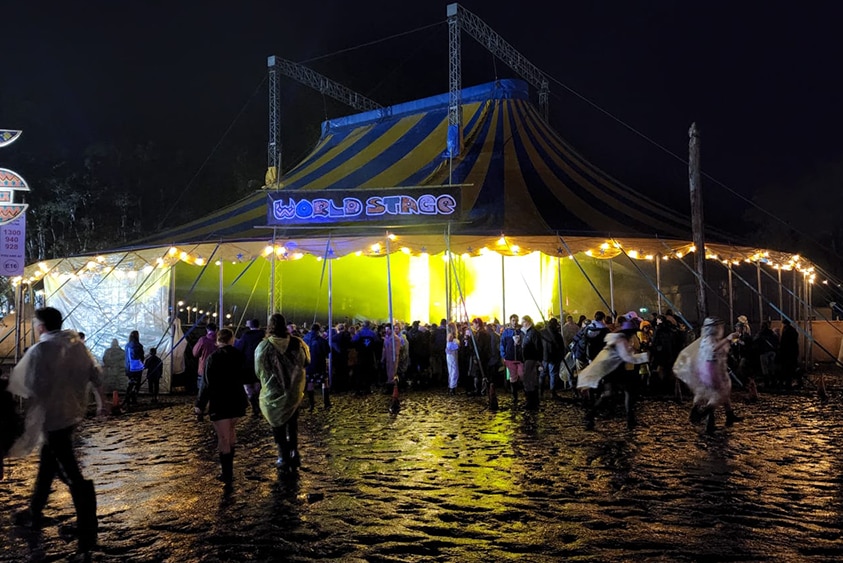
{"x": 202, "y": 350}
{"x": 365, "y": 341}
{"x": 553, "y": 349}
{"x": 390, "y": 356}
{"x": 512, "y": 354}
{"x": 533, "y": 355}
{"x": 767, "y": 343}
{"x": 114, "y": 367}
{"x": 248, "y": 343}
{"x": 154, "y": 370}
{"x": 134, "y": 367}
{"x": 788, "y": 356}
{"x": 223, "y": 394}
{"x": 452, "y": 347}
{"x": 54, "y": 374}
{"x": 438, "y": 352}
{"x": 569, "y": 331}
{"x": 702, "y": 365}
{"x": 280, "y": 362}
{"x": 317, "y": 370}
{"x": 661, "y": 348}
{"x": 595, "y": 335}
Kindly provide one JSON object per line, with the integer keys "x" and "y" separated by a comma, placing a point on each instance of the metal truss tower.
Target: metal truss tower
{"x": 322, "y": 84}
{"x": 461, "y": 19}
{"x": 454, "y": 82}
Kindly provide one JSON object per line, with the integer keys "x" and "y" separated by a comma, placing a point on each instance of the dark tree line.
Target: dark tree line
{"x": 110, "y": 196}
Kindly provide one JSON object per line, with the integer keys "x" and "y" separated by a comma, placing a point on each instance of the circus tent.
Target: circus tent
{"x": 524, "y": 193}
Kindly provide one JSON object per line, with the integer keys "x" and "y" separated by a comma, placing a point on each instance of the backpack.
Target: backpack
{"x": 596, "y": 342}
{"x": 579, "y": 345}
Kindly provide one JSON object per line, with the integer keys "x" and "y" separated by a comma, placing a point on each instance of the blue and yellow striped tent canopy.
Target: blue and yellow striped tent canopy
{"x": 517, "y": 175}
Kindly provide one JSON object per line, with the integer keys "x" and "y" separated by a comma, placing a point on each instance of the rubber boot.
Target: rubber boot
{"x": 590, "y": 415}
{"x": 227, "y": 465}
{"x": 493, "y": 398}
{"x": 629, "y": 404}
{"x": 293, "y": 442}
{"x": 311, "y": 398}
{"x": 696, "y": 414}
{"x": 326, "y": 397}
{"x": 283, "y": 461}
{"x": 532, "y": 398}
{"x": 709, "y": 425}
{"x": 85, "y": 500}
{"x": 514, "y": 388}
{"x": 732, "y": 418}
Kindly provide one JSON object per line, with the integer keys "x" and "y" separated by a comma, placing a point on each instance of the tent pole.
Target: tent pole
{"x": 503, "y": 290}
{"x": 612, "y": 286}
{"x": 781, "y": 300}
{"x": 760, "y": 299}
{"x": 18, "y": 320}
{"x": 659, "y": 281}
{"x": 330, "y": 323}
{"x": 272, "y": 274}
{"x": 809, "y": 296}
{"x": 448, "y": 287}
{"x": 447, "y": 256}
{"x": 174, "y": 318}
{"x": 559, "y": 288}
{"x": 389, "y": 295}
{"x": 221, "y": 321}
{"x": 731, "y": 297}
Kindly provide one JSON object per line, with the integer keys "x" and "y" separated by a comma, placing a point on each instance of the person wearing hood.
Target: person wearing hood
{"x": 202, "y": 350}
{"x": 703, "y": 366}
{"x": 248, "y": 343}
{"x": 54, "y": 374}
{"x": 280, "y": 362}
{"x": 608, "y": 368}
{"x": 533, "y": 356}
{"x": 114, "y": 370}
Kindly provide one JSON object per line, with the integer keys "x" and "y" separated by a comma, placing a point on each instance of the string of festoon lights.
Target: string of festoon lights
{"x": 126, "y": 264}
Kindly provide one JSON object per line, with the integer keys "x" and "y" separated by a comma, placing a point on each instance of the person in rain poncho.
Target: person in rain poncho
{"x": 608, "y": 368}
{"x": 54, "y": 375}
{"x": 702, "y": 365}
{"x": 280, "y": 362}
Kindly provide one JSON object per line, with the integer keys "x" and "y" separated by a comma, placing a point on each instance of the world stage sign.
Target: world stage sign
{"x": 406, "y": 206}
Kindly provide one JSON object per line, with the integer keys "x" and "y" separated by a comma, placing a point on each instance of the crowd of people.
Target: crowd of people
{"x": 271, "y": 371}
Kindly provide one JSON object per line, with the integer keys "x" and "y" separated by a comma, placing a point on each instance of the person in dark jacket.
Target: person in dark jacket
{"x": 317, "y": 370}
{"x": 553, "y": 349}
{"x": 479, "y": 360}
{"x": 134, "y": 367}
{"x": 248, "y": 343}
{"x": 512, "y": 354}
{"x": 223, "y": 394}
{"x": 367, "y": 343}
{"x": 533, "y": 355}
{"x": 154, "y": 371}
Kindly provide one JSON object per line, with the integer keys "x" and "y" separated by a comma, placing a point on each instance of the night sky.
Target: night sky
{"x": 761, "y": 79}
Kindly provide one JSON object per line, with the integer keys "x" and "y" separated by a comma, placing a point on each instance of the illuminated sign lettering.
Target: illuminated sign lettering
{"x": 389, "y": 205}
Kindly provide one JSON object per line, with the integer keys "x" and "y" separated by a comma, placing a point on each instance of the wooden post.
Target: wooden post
{"x": 695, "y": 185}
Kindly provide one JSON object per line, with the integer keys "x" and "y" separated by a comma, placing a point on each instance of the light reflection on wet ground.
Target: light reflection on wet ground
{"x": 447, "y": 480}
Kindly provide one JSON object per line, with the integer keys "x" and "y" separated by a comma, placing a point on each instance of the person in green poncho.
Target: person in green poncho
{"x": 280, "y": 362}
